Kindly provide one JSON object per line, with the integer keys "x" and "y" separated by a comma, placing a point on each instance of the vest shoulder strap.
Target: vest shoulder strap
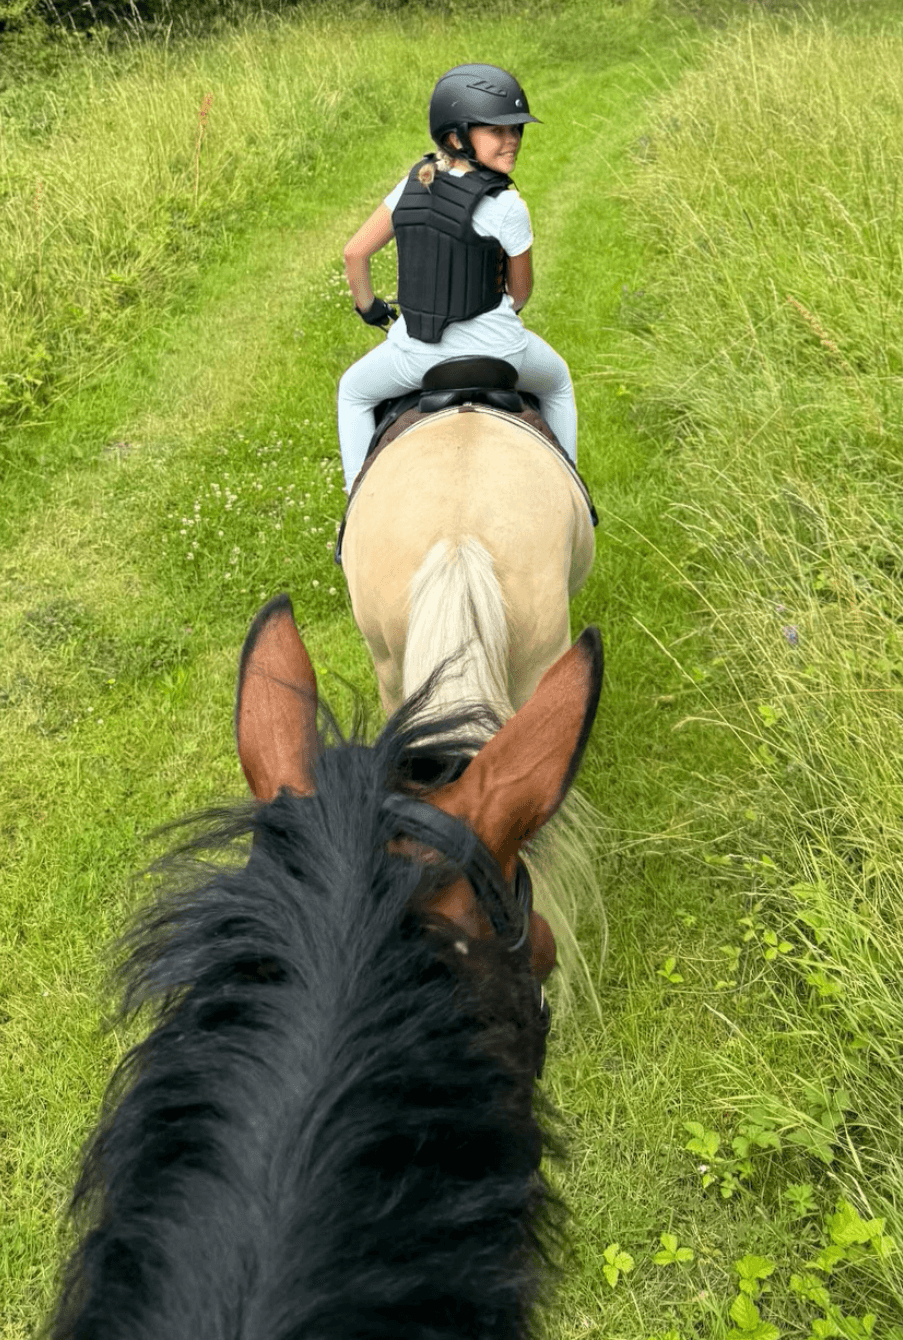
{"x": 449, "y": 200}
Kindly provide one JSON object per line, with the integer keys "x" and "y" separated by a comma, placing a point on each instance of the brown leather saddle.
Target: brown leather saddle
{"x": 462, "y": 382}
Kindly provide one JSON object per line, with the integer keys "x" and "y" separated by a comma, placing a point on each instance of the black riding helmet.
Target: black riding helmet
{"x": 476, "y": 95}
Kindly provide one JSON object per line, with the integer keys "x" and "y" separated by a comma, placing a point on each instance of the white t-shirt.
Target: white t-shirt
{"x": 505, "y": 217}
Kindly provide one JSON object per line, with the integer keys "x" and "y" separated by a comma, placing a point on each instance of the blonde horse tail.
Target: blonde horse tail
{"x": 458, "y": 619}
{"x": 564, "y": 862}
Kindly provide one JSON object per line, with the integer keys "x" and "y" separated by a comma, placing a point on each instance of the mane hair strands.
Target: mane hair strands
{"x": 330, "y": 1130}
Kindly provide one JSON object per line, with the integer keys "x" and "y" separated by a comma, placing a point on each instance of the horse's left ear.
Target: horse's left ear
{"x": 276, "y": 705}
{"x": 520, "y": 777}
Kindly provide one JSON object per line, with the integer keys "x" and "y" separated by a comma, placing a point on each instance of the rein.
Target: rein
{"x": 508, "y": 907}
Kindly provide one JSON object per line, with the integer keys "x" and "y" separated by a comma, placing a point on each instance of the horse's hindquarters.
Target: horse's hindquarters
{"x": 459, "y": 477}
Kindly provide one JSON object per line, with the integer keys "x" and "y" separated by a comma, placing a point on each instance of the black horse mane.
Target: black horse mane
{"x": 331, "y": 1129}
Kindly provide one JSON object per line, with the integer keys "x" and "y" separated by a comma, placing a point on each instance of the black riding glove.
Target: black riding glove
{"x": 379, "y": 313}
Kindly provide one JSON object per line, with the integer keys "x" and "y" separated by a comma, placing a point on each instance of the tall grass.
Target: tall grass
{"x": 123, "y": 165}
{"x": 131, "y": 165}
{"x": 770, "y": 195}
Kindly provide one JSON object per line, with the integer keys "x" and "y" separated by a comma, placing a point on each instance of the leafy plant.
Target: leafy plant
{"x": 731, "y": 1171}
{"x": 752, "y": 1271}
{"x": 616, "y": 1263}
{"x": 667, "y": 970}
{"x": 670, "y": 1253}
{"x": 811, "y": 1288}
{"x": 851, "y": 1237}
{"x": 824, "y": 1114}
{"x": 748, "y": 1323}
{"x": 755, "y": 930}
{"x": 799, "y": 1196}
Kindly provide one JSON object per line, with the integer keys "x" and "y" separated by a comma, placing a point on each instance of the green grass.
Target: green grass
{"x": 184, "y": 468}
{"x": 135, "y": 164}
{"x": 766, "y": 194}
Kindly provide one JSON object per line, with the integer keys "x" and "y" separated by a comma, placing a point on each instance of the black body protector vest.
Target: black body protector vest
{"x": 446, "y": 271}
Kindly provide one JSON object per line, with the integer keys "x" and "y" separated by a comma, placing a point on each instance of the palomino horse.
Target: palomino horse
{"x": 467, "y": 534}
{"x": 464, "y": 540}
{"x": 330, "y": 1130}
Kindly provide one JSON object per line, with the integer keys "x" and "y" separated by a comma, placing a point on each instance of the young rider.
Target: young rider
{"x": 464, "y": 267}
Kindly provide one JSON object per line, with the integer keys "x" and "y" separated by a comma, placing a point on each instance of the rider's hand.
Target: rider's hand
{"x": 379, "y": 313}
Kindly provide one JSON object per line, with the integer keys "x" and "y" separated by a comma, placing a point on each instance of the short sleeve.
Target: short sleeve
{"x": 506, "y": 217}
{"x": 394, "y": 196}
{"x": 516, "y": 233}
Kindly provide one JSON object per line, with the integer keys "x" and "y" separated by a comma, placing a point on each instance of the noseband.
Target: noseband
{"x": 508, "y": 906}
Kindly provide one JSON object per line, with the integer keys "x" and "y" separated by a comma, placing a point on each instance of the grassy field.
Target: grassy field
{"x": 714, "y": 198}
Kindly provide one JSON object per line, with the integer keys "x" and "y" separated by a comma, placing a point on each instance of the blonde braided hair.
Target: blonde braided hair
{"x": 440, "y": 161}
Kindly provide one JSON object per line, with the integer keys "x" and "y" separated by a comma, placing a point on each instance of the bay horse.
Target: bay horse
{"x": 333, "y": 1129}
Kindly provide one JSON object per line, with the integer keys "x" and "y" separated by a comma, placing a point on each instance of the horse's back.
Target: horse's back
{"x": 469, "y": 476}
{"x": 476, "y": 473}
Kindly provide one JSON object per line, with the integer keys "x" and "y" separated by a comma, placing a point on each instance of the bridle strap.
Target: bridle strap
{"x": 507, "y": 909}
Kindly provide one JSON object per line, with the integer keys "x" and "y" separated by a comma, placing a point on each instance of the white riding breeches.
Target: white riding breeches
{"x": 388, "y": 371}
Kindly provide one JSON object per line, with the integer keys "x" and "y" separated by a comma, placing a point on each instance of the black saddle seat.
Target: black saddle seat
{"x": 457, "y": 381}
{"x": 470, "y": 381}
{"x": 467, "y": 371}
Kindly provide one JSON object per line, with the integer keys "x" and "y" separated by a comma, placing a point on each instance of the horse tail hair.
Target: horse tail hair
{"x": 458, "y": 620}
{"x": 567, "y": 884}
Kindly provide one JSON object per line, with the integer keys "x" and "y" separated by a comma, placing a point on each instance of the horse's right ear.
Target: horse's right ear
{"x": 520, "y": 777}
{"x": 276, "y": 705}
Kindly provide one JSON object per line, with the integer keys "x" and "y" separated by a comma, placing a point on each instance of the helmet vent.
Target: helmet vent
{"x": 481, "y": 86}
{"x": 475, "y": 95}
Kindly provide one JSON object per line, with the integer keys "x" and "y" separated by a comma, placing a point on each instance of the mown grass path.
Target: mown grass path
{"x": 201, "y": 478}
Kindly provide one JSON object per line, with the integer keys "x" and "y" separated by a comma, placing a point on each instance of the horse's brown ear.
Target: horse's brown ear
{"x": 276, "y": 705}
{"x": 520, "y": 777}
